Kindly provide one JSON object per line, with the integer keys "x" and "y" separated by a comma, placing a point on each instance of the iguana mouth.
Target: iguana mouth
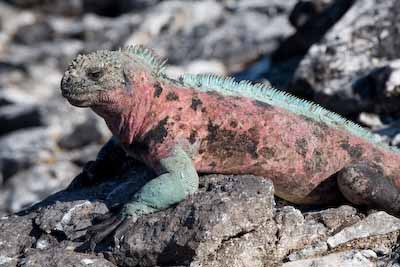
{"x": 79, "y": 99}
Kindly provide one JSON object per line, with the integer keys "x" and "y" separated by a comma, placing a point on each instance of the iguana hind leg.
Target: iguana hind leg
{"x": 366, "y": 184}
{"x": 179, "y": 179}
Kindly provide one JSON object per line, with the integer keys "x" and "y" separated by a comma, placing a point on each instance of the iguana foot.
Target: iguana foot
{"x": 106, "y": 225}
{"x": 366, "y": 184}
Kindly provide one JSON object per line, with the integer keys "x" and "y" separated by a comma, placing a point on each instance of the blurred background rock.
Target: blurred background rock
{"x": 342, "y": 54}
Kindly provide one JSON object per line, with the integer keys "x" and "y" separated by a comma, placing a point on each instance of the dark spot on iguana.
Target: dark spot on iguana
{"x": 192, "y": 137}
{"x": 233, "y": 123}
{"x": 213, "y": 164}
{"x": 177, "y": 117}
{"x": 355, "y": 152}
{"x": 320, "y": 128}
{"x": 157, "y": 134}
{"x": 227, "y": 144}
{"x": 157, "y": 89}
{"x": 315, "y": 164}
{"x": 196, "y": 102}
{"x": 267, "y": 152}
{"x": 203, "y": 110}
{"x": 253, "y": 131}
{"x": 172, "y": 96}
{"x": 307, "y": 119}
{"x": 323, "y": 125}
{"x": 301, "y": 146}
{"x": 215, "y": 94}
{"x": 376, "y": 155}
{"x": 259, "y": 103}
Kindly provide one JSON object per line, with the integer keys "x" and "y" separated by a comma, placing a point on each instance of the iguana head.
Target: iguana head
{"x": 103, "y": 76}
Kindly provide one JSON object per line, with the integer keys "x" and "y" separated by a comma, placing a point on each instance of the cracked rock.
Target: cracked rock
{"x": 352, "y": 258}
{"x": 295, "y": 231}
{"x": 376, "y": 224}
{"x": 336, "y": 219}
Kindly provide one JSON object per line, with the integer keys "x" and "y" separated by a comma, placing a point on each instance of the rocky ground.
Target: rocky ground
{"x": 342, "y": 54}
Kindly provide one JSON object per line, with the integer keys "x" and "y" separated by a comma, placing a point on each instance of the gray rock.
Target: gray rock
{"x": 68, "y": 217}
{"x": 26, "y": 187}
{"x": 62, "y": 257}
{"x": 270, "y": 7}
{"x": 14, "y": 236}
{"x": 295, "y": 232}
{"x": 63, "y": 7}
{"x": 102, "y": 33}
{"x": 11, "y": 96}
{"x": 91, "y": 131}
{"x": 37, "y": 32}
{"x": 15, "y": 117}
{"x": 207, "y": 227}
{"x": 352, "y": 258}
{"x": 186, "y": 30}
{"x": 24, "y": 148}
{"x": 335, "y": 219}
{"x": 376, "y": 224}
{"x": 309, "y": 251}
{"x": 350, "y": 69}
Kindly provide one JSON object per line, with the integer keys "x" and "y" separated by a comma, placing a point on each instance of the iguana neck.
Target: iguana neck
{"x": 126, "y": 114}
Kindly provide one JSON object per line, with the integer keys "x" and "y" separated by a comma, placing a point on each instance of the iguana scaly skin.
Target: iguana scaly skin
{"x": 210, "y": 124}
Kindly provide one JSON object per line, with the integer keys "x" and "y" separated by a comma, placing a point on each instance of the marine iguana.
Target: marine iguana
{"x": 210, "y": 124}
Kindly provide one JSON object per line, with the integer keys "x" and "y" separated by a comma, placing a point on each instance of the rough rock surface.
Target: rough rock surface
{"x": 354, "y": 68}
{"x": 376, "y": 224}
{"x": 353, "y": 258}
{"x": 230, "y": 221}
{"x": 233, "y": 221}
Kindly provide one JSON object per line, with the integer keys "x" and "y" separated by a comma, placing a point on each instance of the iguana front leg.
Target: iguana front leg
{"x": 179, "y": 178}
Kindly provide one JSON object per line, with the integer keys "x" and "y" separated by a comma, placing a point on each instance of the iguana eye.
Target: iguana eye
{"x": 95, "y": 74}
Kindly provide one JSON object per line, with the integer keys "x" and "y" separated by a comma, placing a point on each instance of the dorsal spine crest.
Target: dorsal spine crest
{"x": 275, "y": 97}
{"x": 156, "y": 64}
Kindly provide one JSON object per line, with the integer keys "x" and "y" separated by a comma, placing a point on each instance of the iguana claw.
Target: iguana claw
{"x": 106, "y": 225}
